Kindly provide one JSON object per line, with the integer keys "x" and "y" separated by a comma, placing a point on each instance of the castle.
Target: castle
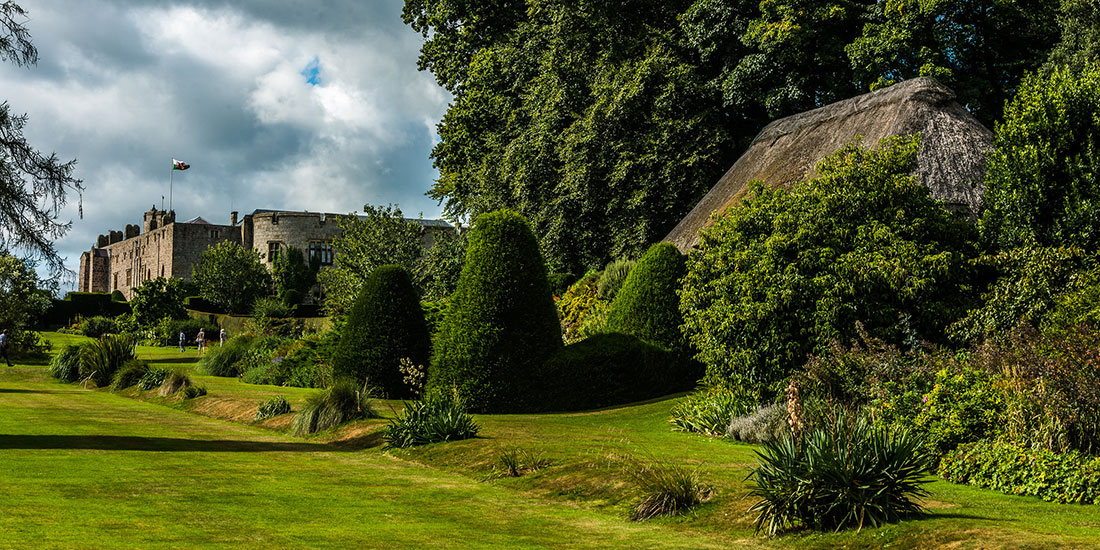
{"x": 163, "y": 247}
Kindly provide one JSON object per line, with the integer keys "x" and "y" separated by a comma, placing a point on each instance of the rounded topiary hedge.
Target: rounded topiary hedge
{"x": 647, "y": 305}
{"x": 501, "y": 324}
{"x": 384, "y": 326}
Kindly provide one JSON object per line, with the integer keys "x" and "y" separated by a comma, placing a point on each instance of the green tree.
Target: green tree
{"x": 381, "y": 236}
{"x": 291, "y": 276}
{"x": 438, "y": 270}
{"x": 1080, "y": 44}
{"x": 23, "y": 301}
{"x": 785, "y": 273}
{"x": 501, "y": 324}
{"x": 648, "y": 305}
{"x": 158, "y": 298}
{"x": 1042, "y": 177}
{"x": 231, "y": 276}
{"x": 33, "y": 186}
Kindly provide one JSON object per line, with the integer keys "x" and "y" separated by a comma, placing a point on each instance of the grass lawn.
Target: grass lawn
{"x": 95, "y": 469}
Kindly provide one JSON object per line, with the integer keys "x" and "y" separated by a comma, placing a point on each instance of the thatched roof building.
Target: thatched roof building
{"x": 951, "y": 162}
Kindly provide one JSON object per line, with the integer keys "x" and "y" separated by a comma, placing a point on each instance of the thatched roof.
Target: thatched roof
{"x": 951, "y": 161}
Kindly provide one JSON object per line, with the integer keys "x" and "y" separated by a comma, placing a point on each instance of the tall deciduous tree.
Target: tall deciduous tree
{"x": 33, "y": 185}
{"x": 1080, "y": 44}
{"x": 158, "y": 298}
{"x": 22, "y": 300}
{"x": 231, "y": 276}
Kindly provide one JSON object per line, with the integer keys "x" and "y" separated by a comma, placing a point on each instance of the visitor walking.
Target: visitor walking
{"x": 221, "y": 338}
{"x": 200, "y": 340}
{"x": 4, "y": 346}
{"x": 182, "y": 340}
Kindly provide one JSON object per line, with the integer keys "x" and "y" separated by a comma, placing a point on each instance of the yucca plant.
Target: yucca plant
{"x": 66, "y": 364}
{"x": 272, "y": 407}
{"x": 103, "y": 357}
{"x": 666, "y": 488}
{"x": 434, "y": 419}
{"x": 848, "y": 473}
{"x": 341, "y": 403}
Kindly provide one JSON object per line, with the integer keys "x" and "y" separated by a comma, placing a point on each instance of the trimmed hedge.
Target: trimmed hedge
{"x": 647, "y": 305}
{"x": 83, "y": 304}
{"x": 501, "y": 324}
{"x": 610, "y": 369}
{"x": 1067, "y": 478}
{"x": 385, "y": 325}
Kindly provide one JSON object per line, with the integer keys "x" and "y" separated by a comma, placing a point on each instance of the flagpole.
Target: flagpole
{"x": 171, "y": 177}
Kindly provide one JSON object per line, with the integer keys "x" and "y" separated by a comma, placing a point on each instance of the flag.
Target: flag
{"x": 179, "y": 165}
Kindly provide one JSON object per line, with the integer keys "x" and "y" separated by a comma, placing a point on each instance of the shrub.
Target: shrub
{"x": 130, "y": 374}
{"x": 153, "y": 379}
{"x": 272, "y": 407}
{"x": 65, "y": 366}
{"x": 433, "y": 314}
{"x": 766, "y": 423}
{"x": 501, "y": 324}
{"x": 666, "y": 488}
{"x": 94, "y": 327}
{"x": 609, "y": 369}
{"x": 271, "y": 315}
{"x": 612, "y": 278}
{"x": 849, "y": 474}
{"x": 710, "y": 411}
{"x": 341, "y": 403}
{"x": 1059, "y": 477}
{"x": 516, "y": 461}
{"x": 785, "y": 273}
{"x": 103, "y": 357}
{"x": 225, "y": 360}
{"x": 285, "y": 362}
{"x": 581, "y": 311}
{"x": 385, "y": 325}
{"x": 174, "y": 382}
{"x": 433, "y": 419}
{"x": 560, "y": 282}
{"x": 117, "y": 296}
{"x": 964, "y": 405}
{"x": 191, "y": 392}
{"x": 648, "y": 306}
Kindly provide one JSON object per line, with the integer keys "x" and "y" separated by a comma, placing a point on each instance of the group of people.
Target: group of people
{"x": 200, "y": 340}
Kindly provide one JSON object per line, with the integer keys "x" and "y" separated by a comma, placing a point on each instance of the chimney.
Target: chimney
{"x": 233, "y": 218}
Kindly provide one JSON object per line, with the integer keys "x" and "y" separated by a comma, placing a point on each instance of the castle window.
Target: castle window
{"x": 214, "y": 234}
{"x": 320, "y": 252}
{"x": 273, "y": 250}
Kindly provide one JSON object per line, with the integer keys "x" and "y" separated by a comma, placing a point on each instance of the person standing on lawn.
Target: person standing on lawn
{"x": 200, "y": 340}
{"x": 4, "y": 346}
{"x": 221, "y": 337}
{"x": 182, "y": 339}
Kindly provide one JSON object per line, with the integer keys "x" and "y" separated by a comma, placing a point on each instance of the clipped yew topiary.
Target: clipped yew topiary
{"x": 647, "y": 305}
{"x": 501, "y": 324}
{"x": 384, "y": 326}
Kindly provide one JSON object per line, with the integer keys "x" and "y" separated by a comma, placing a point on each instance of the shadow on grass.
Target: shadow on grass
{"x": 161, "y": 444}
{"x": 15, "y": 390}
{"x": 172, "y": 360}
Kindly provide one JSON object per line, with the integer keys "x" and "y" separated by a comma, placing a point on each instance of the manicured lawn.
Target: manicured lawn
{"x": 94, "y": 469}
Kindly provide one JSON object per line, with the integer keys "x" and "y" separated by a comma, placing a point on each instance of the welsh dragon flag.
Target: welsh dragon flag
{"x": 179, "y": 165}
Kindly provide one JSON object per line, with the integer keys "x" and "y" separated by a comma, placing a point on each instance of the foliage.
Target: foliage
{"x": 381, "y": 236}
{"x": 65, "y": 366}
{"x": 291, "y": 276}
{"x": 287, "y": 362}
{"x": 438, "y": 269}
{"x": 118, "y": 296}
{"x": 667, "y": 488}
{"x": 710, "y": 410}
{"x": 581, "y": 311}
{"x": 224, "y": 360}
{"x": 1077, "y": 305}
{"x": 647, "y": 306}
{"x": 231, "y": 276}
{"x": 433, "y": 314}
{"x": 33, "y": 186}
{"x": 515, "y": 461}
{"x": 766, "y": 423}
{"x": 153, "y": 379}
{"x": 191, "y": 392}
{"x": 341, "y": 403}
{"x": 784, "y": 273}
{"x": 158, "y": 298}
{"x": 1040, "y": 184}
{"x": 609, "y": 369}
{"x": 272, "y": 407}
{"x": 129, "y": 374}
{"x": 1070, "y": 477}
{"x": 24, "y": 302}
{"x": 384, "y": 326}
{"x": 174, "y": 381}
{"x": 963, "y": 405}
{"x": 848, "y": 474}
{"x": 434, "y": 419}
{"x": 271, "y": 315}
{"x": 612, "y": 278}
{"x": 167, "y": 330}
{"x": 1080, "y": 43}
{"x": 94, "y": 327}
{"x": 103, "y": 357}
{"x": 501, "y": 324}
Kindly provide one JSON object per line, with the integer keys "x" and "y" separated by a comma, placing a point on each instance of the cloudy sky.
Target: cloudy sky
{"x": 289, "y": 104}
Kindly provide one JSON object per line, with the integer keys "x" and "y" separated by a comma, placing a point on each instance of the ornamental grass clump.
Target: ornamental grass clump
{"x": 174, "y": 382}
{"x": 515, "y": 461}
{"x": 130, "y": 374}
{"x": 343, "y": 402}
{"x": 102, "y": 358}
{"x": 66, "y": 364}
{"x": 152, "y": 379}
{"x": 666, "y": 488}
{"x": 225, "y": 360}
{"x": 847, "y": 473}
{"x": 432, "y": 420}
{"x": 709, "y": 411}
{"x": 272, "y": 407}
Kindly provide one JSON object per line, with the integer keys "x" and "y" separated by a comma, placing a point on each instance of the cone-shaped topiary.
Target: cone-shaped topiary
{"x": 384, "y": 326}
{"x": 647, "y": 305}
{"x": 501, "y": 324}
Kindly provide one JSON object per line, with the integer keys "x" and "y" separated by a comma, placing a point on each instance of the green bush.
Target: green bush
{"x": 341, "y": 403}
{"x": 431, "y": 420}
{"x": 94, "y": 327}
{"x": 130, "y": 374}
{"x": 785, "y": 273}
{"x": 191, "y": 392}
{"x": 153, "y": 379}
{"x": 560, "y": 282}
{"x": 103, "y": 357}
{"x": 117, "y": 296}
{"x": 65, "y": 366}
{"x": 848, "y": 474}
{"x": 709, "y": 411}
{"x": 501, "y": 325}
{"x": 581, "y": 311}
{"x": 612, "y": 278}
{"x": 384, "y": 326}
{"x": 224, "y": 360}
{"x": 647, "y": 305}
{"x": 433, "y": 314}
{"x": 272, "y": 407}
{"x": 964, "y": 405}
{"x": 609, "y": 369}
{"x": 287, "y": 362}
{"x": 666, "y": 488}
{"x": 1058, "y": 477}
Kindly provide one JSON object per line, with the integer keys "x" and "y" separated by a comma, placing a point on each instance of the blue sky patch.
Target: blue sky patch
{"x": 312, "y": 72}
